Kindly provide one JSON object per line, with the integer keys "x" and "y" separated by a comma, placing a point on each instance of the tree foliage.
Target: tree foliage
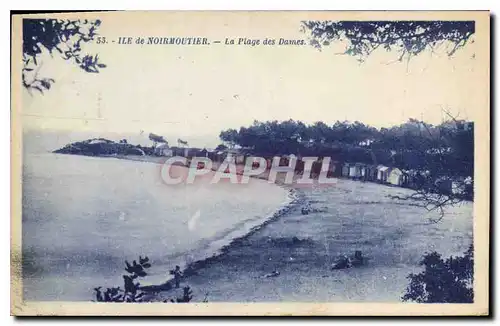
{"x": 64, "y": 37}
{"x": 443, "y": 280}
{"x": 446, "y": 149}
{"x": 407, "y": 38}
{"x": 132, "y": 291}
{"x": 444, "y": 159}
{"x": 157, "y": 139}
{"x": 221, "y": 147}
{"x": 435, "y": 157}
{"x": 181, "y": 142}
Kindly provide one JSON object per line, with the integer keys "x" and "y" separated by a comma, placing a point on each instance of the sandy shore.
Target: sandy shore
{"x": 345, "y": 217}
{"x": 348, "y": 216}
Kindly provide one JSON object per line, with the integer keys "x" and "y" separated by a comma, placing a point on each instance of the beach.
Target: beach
{"x": 227, "y": 254}
{"x": 348, "y": 216}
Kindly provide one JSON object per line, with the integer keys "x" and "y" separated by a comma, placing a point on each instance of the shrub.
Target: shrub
{"x": 443, "y": 281}
{"x": 131, "y": 291}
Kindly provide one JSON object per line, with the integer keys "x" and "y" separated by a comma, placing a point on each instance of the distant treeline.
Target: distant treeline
{"x": 444, "y": 150}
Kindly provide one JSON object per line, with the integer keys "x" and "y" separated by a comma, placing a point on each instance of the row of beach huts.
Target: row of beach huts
{"x": 414, "y": 179}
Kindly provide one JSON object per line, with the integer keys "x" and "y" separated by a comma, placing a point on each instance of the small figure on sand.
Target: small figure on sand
{"x": 177, "y": 275}
{"x": 272, "y": 274}
{"x": 306, "y": 209}
{"x": 348, "y": 262}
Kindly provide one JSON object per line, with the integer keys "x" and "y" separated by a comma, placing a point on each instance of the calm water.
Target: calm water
{"x": 83, "y": 216}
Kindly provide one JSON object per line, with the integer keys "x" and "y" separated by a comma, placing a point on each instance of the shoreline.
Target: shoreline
{"x": 192, "y": 268}
{"x": 302, "y": 247}
{"x": 295, "y": 199}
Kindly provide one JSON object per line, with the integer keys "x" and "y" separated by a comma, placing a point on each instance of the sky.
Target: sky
{"x": 194, "y": 92}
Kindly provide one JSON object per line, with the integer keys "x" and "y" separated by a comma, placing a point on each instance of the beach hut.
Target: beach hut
{"x": 345, "y": 170}
{"x": 362, "y": 170}
{"x": 335, "y": 169}
{"x": 395, "y": 177}
{"x": 370, "y": 173}
{"x": 352, "y": 171}
{"x": 356, "y": 171}
{"x": 203, "y": 153}
{"x": 383, "y": 173}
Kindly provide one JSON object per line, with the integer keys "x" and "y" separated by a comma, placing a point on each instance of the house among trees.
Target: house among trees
{"x": 162, "y": 149}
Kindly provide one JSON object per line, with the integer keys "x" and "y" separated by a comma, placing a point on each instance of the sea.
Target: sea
{"x": 82, "y": 217}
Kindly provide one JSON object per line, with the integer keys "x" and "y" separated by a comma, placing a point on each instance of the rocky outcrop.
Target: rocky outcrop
{"x": 102, "y": 147}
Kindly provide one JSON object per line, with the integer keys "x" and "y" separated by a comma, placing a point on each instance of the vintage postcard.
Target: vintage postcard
{"x": 250, "y": 163}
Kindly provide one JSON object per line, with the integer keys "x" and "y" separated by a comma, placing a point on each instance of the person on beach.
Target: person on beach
{"x": 342, "y": 263}
{"x": 177, "y": 276}
{"x": 348, "y": 262}
{"x": 272, "y": 274}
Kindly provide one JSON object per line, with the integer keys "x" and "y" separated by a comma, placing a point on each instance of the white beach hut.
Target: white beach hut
{"x": 395, "y": 177}
{"x": 383, "y": 173}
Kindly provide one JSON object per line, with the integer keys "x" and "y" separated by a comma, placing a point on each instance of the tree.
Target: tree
{"x": 446, "y": 154}
{"x": 130, "y": 291}
{"x": 407, "y": 38}
{"x": 443, "y": 281}
{"x": 157, "y": 139}
{"x": 229, "y": 136}
{"x": 181, "y": 142}
{"x": 65, "y": 37}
